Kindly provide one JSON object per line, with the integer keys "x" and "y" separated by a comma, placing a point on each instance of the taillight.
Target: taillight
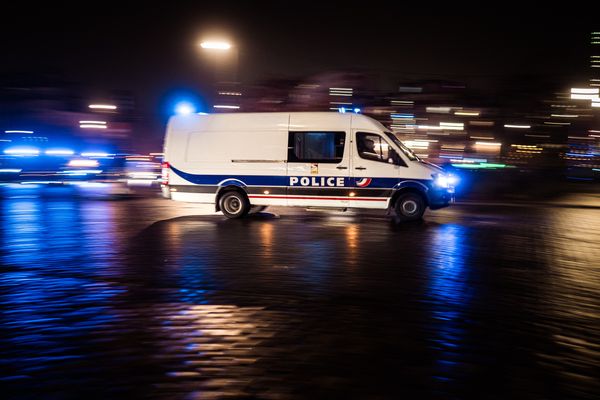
{"x": 165, "y": 173}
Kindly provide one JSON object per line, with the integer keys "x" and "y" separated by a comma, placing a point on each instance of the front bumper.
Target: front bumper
{"x": 439, "y": 198}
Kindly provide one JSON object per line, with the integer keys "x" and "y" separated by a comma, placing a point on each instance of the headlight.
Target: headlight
{"x": 445, "y": 181}
{"x": 441, "y": 181}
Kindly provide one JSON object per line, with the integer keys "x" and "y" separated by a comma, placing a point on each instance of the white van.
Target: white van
{"x": 243, "y": 162}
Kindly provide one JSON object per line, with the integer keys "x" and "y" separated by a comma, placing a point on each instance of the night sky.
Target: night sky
{"x": 152, "y": 50}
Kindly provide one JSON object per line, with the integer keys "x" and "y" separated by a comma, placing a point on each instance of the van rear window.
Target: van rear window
{"x": 316, "y": 147}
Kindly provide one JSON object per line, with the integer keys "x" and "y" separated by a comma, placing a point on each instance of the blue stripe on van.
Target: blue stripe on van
{"x": 249, "y": 180}
{"x": 283, "y": 180}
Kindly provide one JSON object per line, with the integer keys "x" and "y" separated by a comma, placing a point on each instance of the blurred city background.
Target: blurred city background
{"x": 527, "y": 126}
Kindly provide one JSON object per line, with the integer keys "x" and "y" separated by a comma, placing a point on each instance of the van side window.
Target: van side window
{"x": 316, "y": 147}
{"x": 373, "y": 147}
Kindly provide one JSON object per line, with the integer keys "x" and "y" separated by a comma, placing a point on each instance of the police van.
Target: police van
{"x": 244, "y": 162}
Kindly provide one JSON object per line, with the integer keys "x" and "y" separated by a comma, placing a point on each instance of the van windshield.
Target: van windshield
{"x": 407, "y": 152}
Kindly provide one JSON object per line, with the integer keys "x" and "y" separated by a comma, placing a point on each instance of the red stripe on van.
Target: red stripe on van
{"x": 314, "y": 198}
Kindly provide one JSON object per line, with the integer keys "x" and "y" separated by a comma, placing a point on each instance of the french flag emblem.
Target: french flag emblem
{"x": 364, "y": 182}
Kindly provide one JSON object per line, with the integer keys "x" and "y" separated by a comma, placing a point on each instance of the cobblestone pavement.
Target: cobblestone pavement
{"x": 145, "y": 298}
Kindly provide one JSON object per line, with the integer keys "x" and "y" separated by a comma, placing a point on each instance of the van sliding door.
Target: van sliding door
{"x": 318, "y": 168}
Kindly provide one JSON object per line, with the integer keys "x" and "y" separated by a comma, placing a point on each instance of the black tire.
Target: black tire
{"x": 409, "y": 207}
{"x": 234, "y": 204}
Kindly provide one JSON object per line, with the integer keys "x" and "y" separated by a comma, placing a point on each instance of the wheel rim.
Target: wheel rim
{"x": 233, "y": 205}
{"x": 409, "y": 207}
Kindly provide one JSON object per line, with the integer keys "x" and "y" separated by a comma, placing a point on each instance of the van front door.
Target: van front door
{"x": 318, "y": 169}
{"x": 375, "y": 170}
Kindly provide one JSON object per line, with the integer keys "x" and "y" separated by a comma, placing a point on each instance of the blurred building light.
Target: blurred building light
{"x": 402, "y": 102}
{"x": 92, "y": 126}
{"x": 340, "y": 92}
{"x": 467, "y": 113}
{"x": 459, "y": 126}
{"x": 438, "y": 110}
{"x": 453, "y": 147}
{"x": 493, "y": 144}
{"x": 468, "y": 160}
{"x": 22, "y": 151}
{"x": 557, "y": 123}
{"x": 580, "y": 155}
{"x": 59, "y": 152}
{"x": 416, "y": 144}
{"x": 82, "y": 171}
{"x": 82, "y": 163}
{"x": 215, "y": 45}
{"x": 580, "y": 137}
{"x": 430, "y": 127}
{"x": 17, "y": 131}
{"x": 477, "y": 166}
{"x": 585, "y": 91}
{"x": 481, "y": 123}
{"x": 307, "y": 86}
{"x": 93, "y": 122}
{"x": 402, "y": 116}
{"x": 596, "y": 103}
{"x": 410, "y": 89}
{"x": 342, "y": 110}
{"x": 482, "y": 137}
{"x": 593, "y": 97}
{"x": 228, "y": 107}
{"x": 143, "y": 175}
{"x": 341, "y": 102}
{"x": 356, "y": 110}
{"x": 564, "y": 115}
{"x": 10, "y": 170}
{"x": 102, "y": 107}
{"x": 96, "y": 154}
{"x": 544, "y": 136}
{"x": 517, "y": 126}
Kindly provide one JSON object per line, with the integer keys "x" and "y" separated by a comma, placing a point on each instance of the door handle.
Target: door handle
{"x": 340, "y": 167}
{"x": 360, "y": 168}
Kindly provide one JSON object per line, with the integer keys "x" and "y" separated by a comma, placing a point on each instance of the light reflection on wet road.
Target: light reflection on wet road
{"x": 141, "y": 298}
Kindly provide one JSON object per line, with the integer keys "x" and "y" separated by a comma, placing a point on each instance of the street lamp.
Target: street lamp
{"x": 222, "y": 53}
{"x": 224, "y": 56}
{"x": 215, "y": 45}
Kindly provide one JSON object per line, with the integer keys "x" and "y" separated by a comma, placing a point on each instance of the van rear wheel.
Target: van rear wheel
{"x": 234, "y": 204}
{"x": 409, "y": 207}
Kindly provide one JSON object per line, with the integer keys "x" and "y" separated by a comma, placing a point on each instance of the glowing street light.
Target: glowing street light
{"x": 215, "y": 45}
{"x": 102, "y": 107}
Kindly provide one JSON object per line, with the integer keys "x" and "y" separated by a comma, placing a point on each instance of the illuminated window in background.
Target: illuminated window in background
{"x": 316, "y": 147}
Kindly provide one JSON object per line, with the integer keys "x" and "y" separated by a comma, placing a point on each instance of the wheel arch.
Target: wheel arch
{"x": 409, "y": 187}
{"x": 229, "y": 185}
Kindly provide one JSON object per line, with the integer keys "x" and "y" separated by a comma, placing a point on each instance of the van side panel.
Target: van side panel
{"x": 216, "y": 151}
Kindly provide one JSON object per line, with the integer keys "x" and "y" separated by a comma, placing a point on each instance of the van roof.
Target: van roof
{"x": 254, "y": 121}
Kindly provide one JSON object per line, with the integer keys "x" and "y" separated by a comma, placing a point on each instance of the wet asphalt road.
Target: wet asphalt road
{"x": 144, "y": 298}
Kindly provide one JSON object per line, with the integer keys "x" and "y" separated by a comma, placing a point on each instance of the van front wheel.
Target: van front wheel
{"x": 409, "y": 207}
{"x": 234, "y": 204}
